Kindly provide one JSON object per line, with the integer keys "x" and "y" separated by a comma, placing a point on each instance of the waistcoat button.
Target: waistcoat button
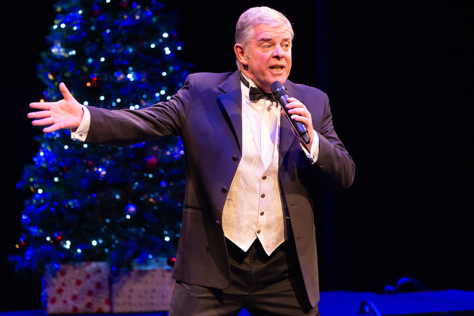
{"x": 224, "y": 189}
{"x": 235, "y": 158}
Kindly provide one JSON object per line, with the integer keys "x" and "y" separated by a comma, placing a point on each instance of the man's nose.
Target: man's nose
{"x": 278, "y": 51}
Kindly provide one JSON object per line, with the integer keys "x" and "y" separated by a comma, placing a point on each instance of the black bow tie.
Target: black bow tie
{"x": 255, "y": 94}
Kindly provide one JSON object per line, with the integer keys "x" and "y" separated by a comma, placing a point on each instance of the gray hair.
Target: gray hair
{"x": 254, "y": 16}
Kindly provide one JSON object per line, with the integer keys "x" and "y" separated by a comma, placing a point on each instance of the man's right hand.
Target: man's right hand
{"x": 64, "y": 114}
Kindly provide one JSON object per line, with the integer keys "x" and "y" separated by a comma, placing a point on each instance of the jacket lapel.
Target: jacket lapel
{"x": 287, "y": 138}
{"x": 231, "y": 101}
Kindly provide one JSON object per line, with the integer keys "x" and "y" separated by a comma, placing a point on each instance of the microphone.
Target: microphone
{"x": 281, "y": 95}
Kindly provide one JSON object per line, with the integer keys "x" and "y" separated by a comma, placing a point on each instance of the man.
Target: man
{"x": 248, "y": 236}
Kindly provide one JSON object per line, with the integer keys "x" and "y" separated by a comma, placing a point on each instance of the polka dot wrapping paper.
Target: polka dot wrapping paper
{"x": 77, "y": 288}
{"x": 142, "y": 291}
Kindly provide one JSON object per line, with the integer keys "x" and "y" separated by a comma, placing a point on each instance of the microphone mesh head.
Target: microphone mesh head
{"x": 278, "y": 89}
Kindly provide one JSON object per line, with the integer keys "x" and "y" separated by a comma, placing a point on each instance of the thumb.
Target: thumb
{"x": 65, "y": 92}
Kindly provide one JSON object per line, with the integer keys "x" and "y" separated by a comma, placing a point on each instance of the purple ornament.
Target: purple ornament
{"x": 130, "y": 209}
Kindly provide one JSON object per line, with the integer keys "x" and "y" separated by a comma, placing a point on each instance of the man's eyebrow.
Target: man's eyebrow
{"x": 265, "y": 39}
{"x": 269, "y": 39}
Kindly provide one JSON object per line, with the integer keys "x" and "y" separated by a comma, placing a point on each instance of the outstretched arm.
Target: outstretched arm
{"x": 63, "y": 114}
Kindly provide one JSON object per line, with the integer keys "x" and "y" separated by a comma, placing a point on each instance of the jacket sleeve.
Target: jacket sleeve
{"x": 126, "y": 127}
{"x": 334, "y": 165}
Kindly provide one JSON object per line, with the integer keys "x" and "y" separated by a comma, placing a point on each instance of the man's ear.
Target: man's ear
{"x": 240, "y": 54}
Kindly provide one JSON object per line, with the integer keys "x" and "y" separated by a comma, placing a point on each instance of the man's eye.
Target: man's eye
{"x": 266, "y": 46}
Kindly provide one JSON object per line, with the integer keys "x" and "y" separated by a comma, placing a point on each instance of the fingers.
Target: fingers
{"x": 50, "y": 129}
{"x": 65, "y": 92}
{"x": 41, "y": 105}
{"x": 37, "y": 115}
{"x": 42, "y": 122}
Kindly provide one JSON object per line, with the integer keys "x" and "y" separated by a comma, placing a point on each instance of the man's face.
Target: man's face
{"x": 267, "y": 58}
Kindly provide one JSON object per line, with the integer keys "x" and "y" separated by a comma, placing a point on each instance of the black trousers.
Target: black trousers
{"x": 264, "y": 285}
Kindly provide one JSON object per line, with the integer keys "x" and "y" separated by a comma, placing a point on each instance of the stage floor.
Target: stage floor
{"x": 344, "y": 303}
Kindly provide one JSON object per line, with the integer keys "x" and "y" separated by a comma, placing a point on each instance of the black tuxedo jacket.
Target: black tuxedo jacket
{"x": 206, "y": 112}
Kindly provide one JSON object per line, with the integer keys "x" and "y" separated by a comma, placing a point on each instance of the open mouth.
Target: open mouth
{"x": 276, "y": 68}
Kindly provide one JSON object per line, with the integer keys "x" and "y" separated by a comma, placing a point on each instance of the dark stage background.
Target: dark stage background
{"x": 399, "y": 75}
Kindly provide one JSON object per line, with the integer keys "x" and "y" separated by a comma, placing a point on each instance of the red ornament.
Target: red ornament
{"x": 171, "y": 261}
{"x": 150, "y": 164}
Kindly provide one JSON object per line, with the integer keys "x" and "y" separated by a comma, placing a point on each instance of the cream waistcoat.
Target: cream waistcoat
{"x": 253, "y": 208}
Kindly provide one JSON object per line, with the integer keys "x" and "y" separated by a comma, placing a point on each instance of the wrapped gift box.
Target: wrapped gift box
{"x": 147, "y": 290}
{"x": 77, "y": 288}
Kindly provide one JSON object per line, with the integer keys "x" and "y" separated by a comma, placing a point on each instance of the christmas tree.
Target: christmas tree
{"x": 106, "y": 203}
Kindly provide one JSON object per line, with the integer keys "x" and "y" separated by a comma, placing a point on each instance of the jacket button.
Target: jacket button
{"x": 259, "y": 231}
{"x": 263, "y": 195}
{"x": 235, "y": 158}
{"x": 264, "y": 177}
{"x": 218, "y": 222}
{"x": 224, "y": 189}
